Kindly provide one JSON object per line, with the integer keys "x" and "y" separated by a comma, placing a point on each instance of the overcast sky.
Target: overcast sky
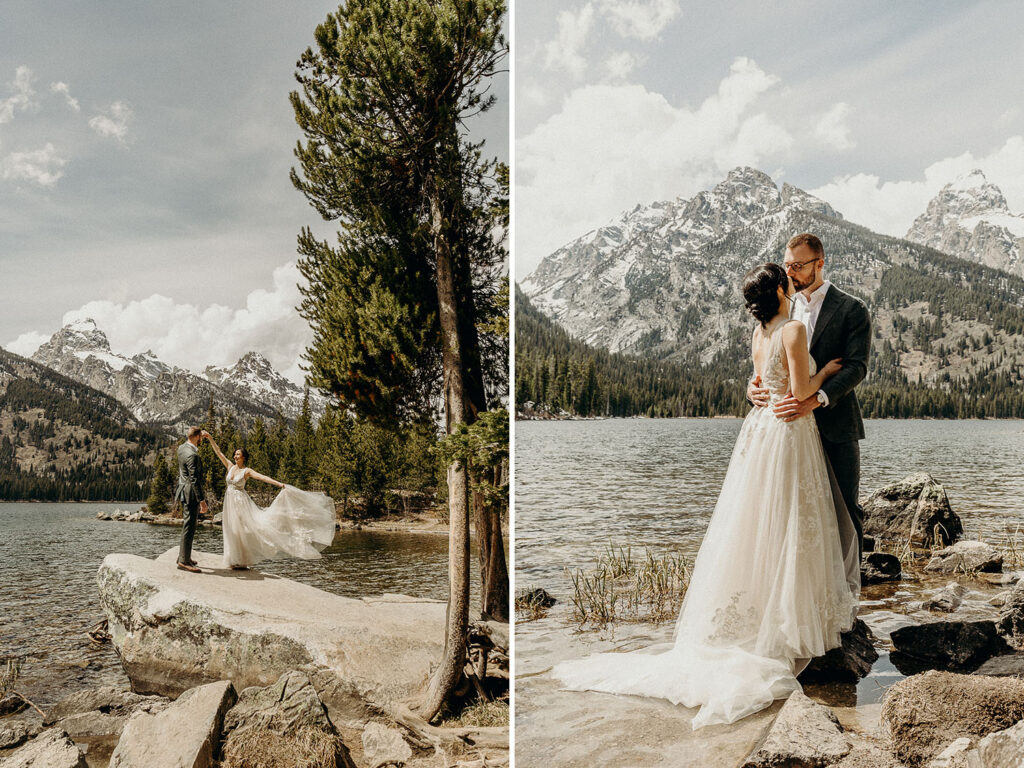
{"x": 873, "y": 106}
{"x": 144, "y": 158}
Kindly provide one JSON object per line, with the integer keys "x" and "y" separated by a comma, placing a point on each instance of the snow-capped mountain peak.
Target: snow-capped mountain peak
{"x": 970, "y": 218}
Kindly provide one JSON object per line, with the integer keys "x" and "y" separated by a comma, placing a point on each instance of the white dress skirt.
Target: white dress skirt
{"x": 776, "y": 580}
{"x": 296, "y": 524}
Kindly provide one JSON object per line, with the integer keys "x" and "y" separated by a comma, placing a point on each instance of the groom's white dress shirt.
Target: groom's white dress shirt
{"x": 807, "y": 310}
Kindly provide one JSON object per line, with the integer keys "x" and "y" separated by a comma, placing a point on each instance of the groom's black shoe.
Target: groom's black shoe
{"x": 193, "y": 562}
{"x": 188, "y": 567}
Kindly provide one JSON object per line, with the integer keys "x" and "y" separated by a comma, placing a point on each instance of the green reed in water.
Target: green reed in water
{"x": 622, "y": 587}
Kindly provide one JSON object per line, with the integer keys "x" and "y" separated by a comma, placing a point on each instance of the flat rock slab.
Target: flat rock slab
{"x": 1008, "y": 665}
{"x": 174, "y": 630}
{"x": 185, "y": 735}
{"x": 925, "y": 713}
{"x": 50, "y": 749}
{"x": 804, "y": 735}
{"x": 966, "y": 557}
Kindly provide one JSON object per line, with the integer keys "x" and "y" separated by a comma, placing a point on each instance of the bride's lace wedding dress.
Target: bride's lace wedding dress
{"x": 296, "y": 524}
{"x": 775, "y": 582}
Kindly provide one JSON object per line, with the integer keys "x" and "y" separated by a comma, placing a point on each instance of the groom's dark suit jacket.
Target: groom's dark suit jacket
{"x": 190, "y": 476}
{"x": 843, "y": 330}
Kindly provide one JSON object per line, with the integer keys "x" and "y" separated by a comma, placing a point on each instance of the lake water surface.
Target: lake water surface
{"x": 50, "y": 554}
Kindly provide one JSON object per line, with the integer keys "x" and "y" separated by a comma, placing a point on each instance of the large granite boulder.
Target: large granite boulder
{"x": 804, "y": 735}
{"x": 50, "y": 749}
{"x": 174, "y": 630}
{"x": 966, "y": 557}
{"x": 913, "y": 509}
{"x": 1001, "y": 749}
{"x": 926, "y": 713}
{"x": 282, "y": 724}
{"x": 184, "y": 735}
{"x": 1011, "y": 616}
{"x": 951, "y": 645}
{"x": 848, "y": 663}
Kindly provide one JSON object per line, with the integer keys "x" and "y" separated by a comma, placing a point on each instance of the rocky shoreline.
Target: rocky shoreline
{"x": 928, "y": 677}
{"x": 230, "y": 669}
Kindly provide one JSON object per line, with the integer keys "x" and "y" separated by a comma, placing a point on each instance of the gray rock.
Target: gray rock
{"x": 950, "y": 645}
{"x": 953, "y": 756}
{"x": 804, "y": 735}
{"x": 848, "y": 663}
{"x": 1002, "y": 749}
{"x": 946, "y": 599}
{"x": 1011, "y": 616}
{"x": 103, "y": 516}
{"x": 15, "y": 734}
{"x": 1001, "y": 579}
{"x": 284, "y": 723}
{"x": 925, "y": 713}
{"x": 913, "y": 509}
{"x": 50, "y": 749}
{"x": 878, "y": 567}
{"x": 174, "y": 630}
{"x": 1008, "y": 665}
{"x": 384, "y": 746}
{"x": 966, "y": 557}
{"x": 184, "y": 735}
{"x": 999, "y": 601}
{"x": 95, "y": 718}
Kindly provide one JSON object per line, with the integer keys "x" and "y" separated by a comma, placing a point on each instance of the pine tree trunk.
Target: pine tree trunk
{"x": 457, "y": 410}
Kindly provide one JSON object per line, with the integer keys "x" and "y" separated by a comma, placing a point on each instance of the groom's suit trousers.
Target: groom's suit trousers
{"x": 845, "y": 460}
{"x": 190, "y": 512}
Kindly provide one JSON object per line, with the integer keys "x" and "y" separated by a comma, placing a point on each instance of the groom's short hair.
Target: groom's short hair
{"x": 193, "y": 431}
{"x": 811, "y": 241}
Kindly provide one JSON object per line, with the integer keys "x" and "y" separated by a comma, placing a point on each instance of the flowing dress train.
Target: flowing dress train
{"x": 296, "y": 524}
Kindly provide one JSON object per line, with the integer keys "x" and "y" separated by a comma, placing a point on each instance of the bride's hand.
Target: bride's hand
{"x": 832, "y": 367}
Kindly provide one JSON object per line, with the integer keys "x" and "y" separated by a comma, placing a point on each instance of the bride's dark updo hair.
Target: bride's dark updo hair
{"x": 245, "y": 455}
{"x": 761, "y": 291}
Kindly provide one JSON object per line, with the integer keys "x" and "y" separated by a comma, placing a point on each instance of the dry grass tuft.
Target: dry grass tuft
{"x": 480, "y": 714}
{"x": 306, "y": 748}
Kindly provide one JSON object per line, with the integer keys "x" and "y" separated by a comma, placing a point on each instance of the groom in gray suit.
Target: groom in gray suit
{"x": 190, "y": 493}
{"x": 838, "y": 325}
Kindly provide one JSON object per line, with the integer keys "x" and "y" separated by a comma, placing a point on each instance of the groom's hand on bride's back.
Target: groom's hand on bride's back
{"x": 789, "y": 408}
{"x": 756, "y": 394}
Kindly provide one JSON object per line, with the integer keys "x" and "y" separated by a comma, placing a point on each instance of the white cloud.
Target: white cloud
{"x": 22, "y": 97}
{"x": 832, "y": 129}
{"x": 620, "y": 65}
{"x": 113, "y": 122}
{"x": 612, "y": 146}
{"x": 890, "y": 207}
{"x": 27, "y": 343}
{"x": 640, "y": 19}
{"x": 42, "y": 166}
{"x": 65, "y": 90}
{"x": 565, "y": 51}
{"x": 193, "y": 337}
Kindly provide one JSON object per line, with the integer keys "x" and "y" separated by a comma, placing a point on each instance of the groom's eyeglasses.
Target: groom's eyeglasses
{"x": 796, "y": 266}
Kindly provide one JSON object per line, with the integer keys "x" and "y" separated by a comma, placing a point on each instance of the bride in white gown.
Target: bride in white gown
{"x": 296, "y": 524}
{"x": 777, "y": 577}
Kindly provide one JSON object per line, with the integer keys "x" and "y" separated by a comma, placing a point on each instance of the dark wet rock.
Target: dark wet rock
{"x": 878, "y": 567}
{"x": 12, "y": 705}
{"x": 848, "y": 663}
{"x": 50, "y": 749}
{"x": 925, "y": 713}
{"x": 174, "y": 630}
{"x": 868, "y": 543}
{"x": 966, "y": 557}
{"x": 280, "y": 724}
{"x": 947, "y": 599}
{"x": 1007, "y": 665}
{"x": 186, "y": 733}
{"x": 914, "y": 509}
{"x": 949, "y": 645}
{"x": 804, "y": 735}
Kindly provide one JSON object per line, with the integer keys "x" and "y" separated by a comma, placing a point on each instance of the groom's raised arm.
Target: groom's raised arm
{"x": 856, "y": 347}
